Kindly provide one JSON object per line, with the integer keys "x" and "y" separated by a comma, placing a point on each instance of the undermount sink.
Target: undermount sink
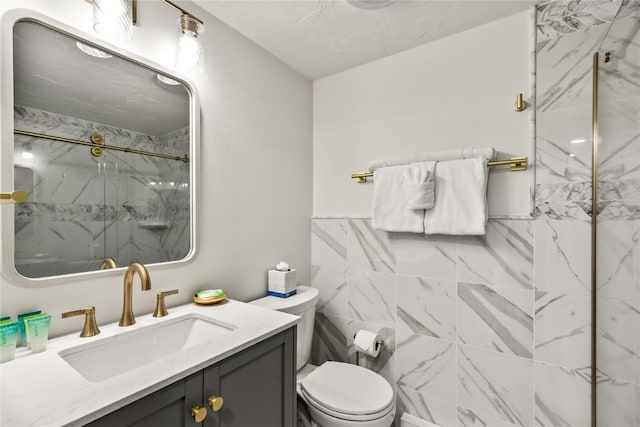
{"x": 112, "y": 356}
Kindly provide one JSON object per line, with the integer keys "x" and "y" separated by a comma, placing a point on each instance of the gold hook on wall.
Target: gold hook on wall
{"x": 520, "y": 104}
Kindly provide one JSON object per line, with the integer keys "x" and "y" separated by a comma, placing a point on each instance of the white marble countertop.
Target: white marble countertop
{"x": 43, "y": 390}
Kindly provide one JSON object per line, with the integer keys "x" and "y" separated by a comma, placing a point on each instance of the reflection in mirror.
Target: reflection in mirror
{"x": 125, "y": 195}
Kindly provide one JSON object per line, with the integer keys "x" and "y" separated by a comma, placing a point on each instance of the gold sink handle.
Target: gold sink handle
{"x": 161, "y": 309}
{"x": 90, "y": 327}
{"x": 18, "y": 196}
{"x": 199, "y": 413}
{"x": 216, "y": 402}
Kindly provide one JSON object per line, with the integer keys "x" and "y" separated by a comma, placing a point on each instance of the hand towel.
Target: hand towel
{"x": 461, "y": 198}
{"x": 419, "y": 185}
{"x": 455, "y": 154}
{"x": 390, "y": 211}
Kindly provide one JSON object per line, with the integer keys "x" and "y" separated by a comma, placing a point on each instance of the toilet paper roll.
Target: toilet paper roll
{"x": 366, "y": 342}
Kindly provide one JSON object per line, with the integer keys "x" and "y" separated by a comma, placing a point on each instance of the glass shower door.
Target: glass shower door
{"x": 617, "y": 283}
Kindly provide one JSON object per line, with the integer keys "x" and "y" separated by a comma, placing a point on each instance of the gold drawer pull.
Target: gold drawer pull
{"x": 216, "y": 403}
{"x": 199, "y": 413}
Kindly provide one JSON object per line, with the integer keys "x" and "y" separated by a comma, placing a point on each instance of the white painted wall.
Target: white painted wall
{"x": 455, "y": 92}
{"x": 256, "y": 153}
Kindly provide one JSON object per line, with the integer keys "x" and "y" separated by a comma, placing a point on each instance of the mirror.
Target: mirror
{"x": 103, "y": 145}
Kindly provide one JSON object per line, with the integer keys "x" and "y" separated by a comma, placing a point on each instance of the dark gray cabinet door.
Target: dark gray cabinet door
{"x": 169, "y": 407}
{"x": 257, "y": 385}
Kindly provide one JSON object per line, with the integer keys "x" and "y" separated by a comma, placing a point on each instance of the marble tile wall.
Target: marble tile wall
{"x": 495, "y": 330}
{"x": 83, "y": 208}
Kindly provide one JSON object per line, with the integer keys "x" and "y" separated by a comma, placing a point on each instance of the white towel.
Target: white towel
{"x": 390, "y": 211}
{"x": 461, "y": 198}
{"x": 419, "y": 185}
{"x": 459, "y": 153}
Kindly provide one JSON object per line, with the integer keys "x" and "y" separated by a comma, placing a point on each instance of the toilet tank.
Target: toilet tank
{"x": 302, "y": 304}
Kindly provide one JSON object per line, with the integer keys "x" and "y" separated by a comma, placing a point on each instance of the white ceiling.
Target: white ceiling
{"x": 322, "y": 37}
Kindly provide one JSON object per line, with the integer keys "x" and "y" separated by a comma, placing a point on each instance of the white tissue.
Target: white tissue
{"x": 365, "y": 342}
{"x": 282, "y": 266}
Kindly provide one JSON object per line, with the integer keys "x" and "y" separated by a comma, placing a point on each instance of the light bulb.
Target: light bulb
{"x": 189, "y": 53}
{"x": 111, "y": 20}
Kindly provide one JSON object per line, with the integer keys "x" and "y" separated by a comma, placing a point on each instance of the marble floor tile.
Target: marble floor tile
{"x": 563, "y": 396}
{"x": 469, "y": 418}
{"x": 618, "y": 403}
{"x": 331, "y": 283}
{"x": 619, "y": 260}
{"x": 496, "y": 318}
{"x": 329, "y": 242}
{"x": 425, "y": 256}
{"x": 425, "y": 407}
{"x": 562, "y": 256}
{"x": 427, "y": 306}
{"x": 618, "y": 342}
{"x": 504, "y": 257}
{"x": 427, "y": 365}
{"x": 563, "y": 329}
{"x": 329, "y": 339}
{"x": 497, "y": 384}
{"x": 367, "y": 248}
{"x": 372, "y": 297}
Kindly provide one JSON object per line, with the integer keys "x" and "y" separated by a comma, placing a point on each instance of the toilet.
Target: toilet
{"x": 336, "y": 394}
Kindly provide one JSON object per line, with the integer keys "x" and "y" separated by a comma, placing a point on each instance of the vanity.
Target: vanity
{"x": 230, "y": 364}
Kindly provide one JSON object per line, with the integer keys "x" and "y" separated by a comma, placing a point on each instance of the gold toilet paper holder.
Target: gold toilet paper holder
{"x": 379, "y": 343}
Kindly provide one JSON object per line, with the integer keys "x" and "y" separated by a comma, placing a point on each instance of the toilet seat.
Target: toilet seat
{"x": 347, "y": 392}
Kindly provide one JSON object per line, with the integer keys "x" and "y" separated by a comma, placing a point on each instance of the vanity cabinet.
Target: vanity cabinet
{"x": 257, "y": 386}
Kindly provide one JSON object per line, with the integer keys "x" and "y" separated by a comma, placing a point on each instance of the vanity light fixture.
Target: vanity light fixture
{"x": 92, "y": 51}
{"x": 189, "y": 53}
{"x": 112, "y": 19}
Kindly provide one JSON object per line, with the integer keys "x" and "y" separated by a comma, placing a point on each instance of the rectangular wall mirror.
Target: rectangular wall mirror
{"x": 103, "y": 146}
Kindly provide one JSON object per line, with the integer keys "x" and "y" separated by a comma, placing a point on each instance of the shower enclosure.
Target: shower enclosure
{"x": 616, "y": 224}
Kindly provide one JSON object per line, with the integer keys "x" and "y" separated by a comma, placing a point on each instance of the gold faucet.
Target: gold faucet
{"x": 127, "y": 318}
{"x": 108, "y": 263}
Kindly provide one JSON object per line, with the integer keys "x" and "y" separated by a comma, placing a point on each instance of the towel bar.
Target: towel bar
{"x": 515, "y": 164}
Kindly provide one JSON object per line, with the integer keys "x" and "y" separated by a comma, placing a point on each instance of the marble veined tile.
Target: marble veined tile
{"x": 619, "y": 259}
{"x": 563, "y": 396}
{"x": 562, "y": 256}
{"x": 331, "y": 283}
{"x": 372, "y": 297}
{"x": 424, "y": 407}
{"x": 427, "y": 365}
{"x": 427, "y": 306}
{"x": 618, "y": 403}
{"x": 563, "y": 329}
{"x": 425, "y": 256}
{"x": 496, "y": 384}
{"x": 469, "y": 418}
{"x": 496, "y": 318}
{"x": 369, "y": 249}
{"x": 329, "y": 242}
{"x": 504, "y": 257}
{"x": 618, "y": 342}
{"x": 559, "y": 18}
{"x": 617, "y": 76}
{"x": 329, "y": 339}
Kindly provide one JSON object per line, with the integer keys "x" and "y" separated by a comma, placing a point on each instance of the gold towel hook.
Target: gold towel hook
{"x": 18, "y": 196}
{"x": 520, "y": 104}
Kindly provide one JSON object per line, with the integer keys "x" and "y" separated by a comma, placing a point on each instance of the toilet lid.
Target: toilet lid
{"x": 348, "y": 389}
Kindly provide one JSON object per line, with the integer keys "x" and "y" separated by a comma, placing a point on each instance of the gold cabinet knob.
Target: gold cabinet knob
{"x": 216, "y": 403}
{"x": 199, "y": 413}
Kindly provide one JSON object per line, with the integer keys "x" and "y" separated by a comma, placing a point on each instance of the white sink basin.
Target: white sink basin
{"x": 112, "y": 356}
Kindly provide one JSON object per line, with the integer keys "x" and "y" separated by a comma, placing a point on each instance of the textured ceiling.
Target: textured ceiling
{"x": 322, "y": 37}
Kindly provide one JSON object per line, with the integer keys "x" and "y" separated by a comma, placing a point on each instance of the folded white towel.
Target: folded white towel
{"x": 419, "y": 185}
{"x": 461, "y": 198}
{"x": 441, "y": 156}
{"x": 390, "y": 211}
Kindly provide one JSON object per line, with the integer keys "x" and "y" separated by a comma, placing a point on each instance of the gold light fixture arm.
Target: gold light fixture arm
{"x": 17, "y": 196}
{"x": 182, "y": 11}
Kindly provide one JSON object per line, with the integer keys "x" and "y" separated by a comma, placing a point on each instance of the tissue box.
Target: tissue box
{"x": 282, "y": 282}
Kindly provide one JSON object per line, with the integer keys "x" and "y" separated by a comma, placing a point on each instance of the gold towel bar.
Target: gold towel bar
{"x": 515, "y": 163}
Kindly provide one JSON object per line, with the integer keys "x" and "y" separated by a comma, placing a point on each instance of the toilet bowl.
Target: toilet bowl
{"x": 336, "y": 394}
